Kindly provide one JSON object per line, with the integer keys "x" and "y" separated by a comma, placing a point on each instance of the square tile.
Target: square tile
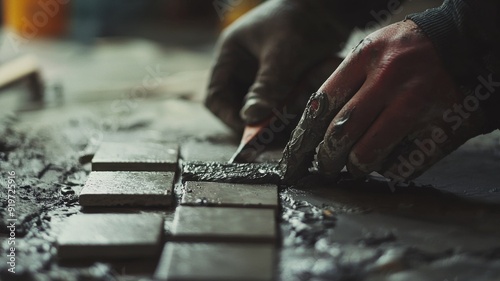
{"x": 206, "y": 151}
{"x": 230, "y": 194}
{"x": 128, "y": 189}
{"x": 110, "y": 236}
{"x": 136, "y": 156}
{"x": 216, "y": 261}
{"x": 211, "y": 224}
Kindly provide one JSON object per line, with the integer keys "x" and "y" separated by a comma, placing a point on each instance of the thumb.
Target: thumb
{"x": 273, "y": 84}
{"x": 266, "y": 94}
{"x": 232, "y": 74}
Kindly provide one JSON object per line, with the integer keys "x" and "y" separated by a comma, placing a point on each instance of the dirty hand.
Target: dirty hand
{"x": 263, "y": 55}
{"x": 390, "y": 107}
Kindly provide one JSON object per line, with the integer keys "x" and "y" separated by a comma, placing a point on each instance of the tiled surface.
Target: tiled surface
{"x": 194, "y": 150}
{"x": 136, "y": 156}
{"x": 114, "y": 236}
{"x": 228, "y": 194}
{"x": 460, "y": 267}
{"x": 211, "y": 224}
{"x": 221, "y": 262}
{"x": 471, "y": 172}
{"x": 128, "y": 188}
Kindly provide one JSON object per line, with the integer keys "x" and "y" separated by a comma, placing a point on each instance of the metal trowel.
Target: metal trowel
{"x": 250, "y": 148}
{"x": 255, "y": 140}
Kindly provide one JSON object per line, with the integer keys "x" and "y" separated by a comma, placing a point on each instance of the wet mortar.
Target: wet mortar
{"x": 45, "y": 195}
{"x": 49, "y": 177}
{"x": 311, "y": 250}
{"x": 252, "y": 173}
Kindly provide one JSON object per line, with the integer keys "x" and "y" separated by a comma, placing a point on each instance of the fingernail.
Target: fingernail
{"x": 355, "y": 172}
{"x": 256, "y": 110}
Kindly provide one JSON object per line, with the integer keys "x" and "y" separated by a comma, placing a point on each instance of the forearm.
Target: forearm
{"x": 466, "y": 34}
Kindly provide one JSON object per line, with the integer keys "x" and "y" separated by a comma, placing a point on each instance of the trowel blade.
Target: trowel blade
{"x": 247, "y": 152}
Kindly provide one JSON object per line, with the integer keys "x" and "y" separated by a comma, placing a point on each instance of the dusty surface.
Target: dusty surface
{"x": 444, "y": 226}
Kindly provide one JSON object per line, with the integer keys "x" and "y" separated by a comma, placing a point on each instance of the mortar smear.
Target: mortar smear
{"x": 252, "y": 173}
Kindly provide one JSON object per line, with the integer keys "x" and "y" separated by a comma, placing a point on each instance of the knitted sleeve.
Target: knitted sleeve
{"x": 466, "y": 33}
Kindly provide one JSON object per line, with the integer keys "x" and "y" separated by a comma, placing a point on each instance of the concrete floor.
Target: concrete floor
{"x": 444, "y": 226}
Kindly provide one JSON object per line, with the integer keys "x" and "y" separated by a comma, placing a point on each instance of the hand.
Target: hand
{"x": 390, "y": 107}
{"x": 262, "y": 57}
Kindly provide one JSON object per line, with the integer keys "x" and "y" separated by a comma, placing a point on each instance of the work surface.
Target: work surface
{"x": 444, "y": 226}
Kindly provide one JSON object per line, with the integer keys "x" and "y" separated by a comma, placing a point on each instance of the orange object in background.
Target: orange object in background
{"x": 236, "y": 9}
{"x": 36, "y": 18}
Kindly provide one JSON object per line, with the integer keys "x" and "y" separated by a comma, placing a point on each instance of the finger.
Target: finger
{"x": 281, "y": 67}
{"x": 416, "y": 153}
{"x": 319, "y": 112}
{"x": 348, "y": 126}
{"x": 393, "y": 124}
{"x": 423, "y": 148}
{"x": 310, "y": 82}
{"x": 231, "y": 76}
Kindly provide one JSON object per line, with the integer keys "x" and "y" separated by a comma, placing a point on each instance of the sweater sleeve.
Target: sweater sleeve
{"x": 466, "y": 33}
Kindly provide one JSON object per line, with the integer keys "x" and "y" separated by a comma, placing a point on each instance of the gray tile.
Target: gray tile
{"x": 110, "y": 236}
{"x": 216, "y": 261}
{"x": 128, "y": 188}
{"x": 211, "y": 224}
{"x": 231, "y": 195}
{"x": 136, "y": 156}
{"x": 195, "y": 150}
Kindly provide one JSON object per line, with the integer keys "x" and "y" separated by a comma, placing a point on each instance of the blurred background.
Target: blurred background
{"x": 94, "y": 50}
{"x": 88, "y": 50}
{"x": 85, "y": 20}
